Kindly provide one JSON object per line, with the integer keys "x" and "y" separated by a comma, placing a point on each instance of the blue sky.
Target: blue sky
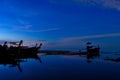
{"x": 61, "y": 24}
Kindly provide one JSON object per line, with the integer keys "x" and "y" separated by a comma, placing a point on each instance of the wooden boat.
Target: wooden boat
{"x": 18, "y": 50}
{"x": 14, "y": 55}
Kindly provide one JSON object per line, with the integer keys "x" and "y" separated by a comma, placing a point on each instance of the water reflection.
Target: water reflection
{"x": 15, "y": 60}
{"x": 61, "y": 67}
{"x": 112, "y": 59}
{"x": 90, "y": 54}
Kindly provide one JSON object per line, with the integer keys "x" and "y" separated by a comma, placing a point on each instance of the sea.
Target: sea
{"x": 106, "y": 66}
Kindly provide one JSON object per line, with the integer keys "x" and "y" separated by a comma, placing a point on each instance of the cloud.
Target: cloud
{"x": 28, "y": 27}
{"x": 22, "y": 24}
{"x": 76, "y": 43}
{"x": 20, "y": 21}
{"x": 44, "y": 30}
{"x": 22, "y": 27}
{"x": 33, "y": 42}
{"x": 18, "y": 25}
{"x": 8, "y": 40}
{"x": 105, "y": 3}
{"x": 91, "y": 37}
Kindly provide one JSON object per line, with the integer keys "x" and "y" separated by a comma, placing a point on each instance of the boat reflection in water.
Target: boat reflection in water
{"x": 14, "y": 61}
{"x": 92, "y": 52}
{"x": 14, "y": 55}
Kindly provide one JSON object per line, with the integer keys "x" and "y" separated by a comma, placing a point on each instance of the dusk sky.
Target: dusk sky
{"x": 61, "y": 24}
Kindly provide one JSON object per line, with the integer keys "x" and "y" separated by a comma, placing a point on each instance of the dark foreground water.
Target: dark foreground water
{"x": 63, "y": 67}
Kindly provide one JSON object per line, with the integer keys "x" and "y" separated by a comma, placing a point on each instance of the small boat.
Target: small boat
{"x": 93, "y": 50}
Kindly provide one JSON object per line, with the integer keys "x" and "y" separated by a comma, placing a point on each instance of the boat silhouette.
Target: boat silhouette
{"x": 14, "y": 55}
{"x": 18, "y": 50}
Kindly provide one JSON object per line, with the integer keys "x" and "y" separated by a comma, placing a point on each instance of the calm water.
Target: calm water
{"x": 62, "y": 67}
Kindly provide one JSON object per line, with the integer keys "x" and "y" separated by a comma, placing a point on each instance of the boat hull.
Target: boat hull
{"x": 17, "y": 51}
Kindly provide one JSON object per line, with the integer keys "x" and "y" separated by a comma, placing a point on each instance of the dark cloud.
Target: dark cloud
{"x": 105, "y": 3}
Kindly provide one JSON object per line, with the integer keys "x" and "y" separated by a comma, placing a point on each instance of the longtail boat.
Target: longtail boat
{"x": 19, "y": 50}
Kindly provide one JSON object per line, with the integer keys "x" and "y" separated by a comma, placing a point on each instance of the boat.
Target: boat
{"x": 91, "y": 50}
{"x": 14, "y": 55}
{"x": 19, "y": 49}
